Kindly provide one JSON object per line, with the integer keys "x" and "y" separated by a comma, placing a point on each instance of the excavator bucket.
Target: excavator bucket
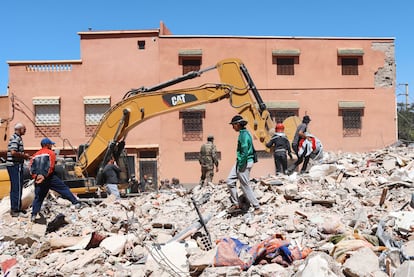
{"x": 291, "y": 123}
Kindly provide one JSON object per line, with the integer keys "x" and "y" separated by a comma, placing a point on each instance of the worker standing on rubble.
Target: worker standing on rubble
{"x": 246, "y": 157}
{"x": 16, "y": 156}
{"x": 208, "y": 159}
{"x": 42, "y": 169}
{"x": 281, "y": 148}
{"x": 111, "y": 173}
{"x": 300, "y": 133}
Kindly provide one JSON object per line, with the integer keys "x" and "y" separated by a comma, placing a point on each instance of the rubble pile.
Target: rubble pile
{"x": 350, "y": 215}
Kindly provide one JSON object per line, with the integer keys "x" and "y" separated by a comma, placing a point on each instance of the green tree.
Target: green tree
{"x": 405, "y": 122}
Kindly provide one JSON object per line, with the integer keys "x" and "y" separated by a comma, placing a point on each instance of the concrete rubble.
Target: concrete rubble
{"x": 350, "y": 215}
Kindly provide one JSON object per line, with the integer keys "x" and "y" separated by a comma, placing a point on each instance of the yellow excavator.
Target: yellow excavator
{"x": 85, "y": 175}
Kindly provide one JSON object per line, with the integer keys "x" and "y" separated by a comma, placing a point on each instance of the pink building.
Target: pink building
{"x": 346, "y": 85}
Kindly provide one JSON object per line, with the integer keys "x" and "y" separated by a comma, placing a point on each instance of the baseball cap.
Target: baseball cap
{"x": 46, "y": 141}
{"x": 306, "y": 119}
{"x": 238, "y": 119}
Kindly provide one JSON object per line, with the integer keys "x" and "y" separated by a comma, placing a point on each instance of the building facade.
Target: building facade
{"x": 346, "y": 86}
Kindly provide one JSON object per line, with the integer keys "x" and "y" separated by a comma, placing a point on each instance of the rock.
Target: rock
{"x": 321, "y": 265}
{"x": 228, "y": 271}
{"x": 405, "y": 270}
{"x": 362, "y": 263}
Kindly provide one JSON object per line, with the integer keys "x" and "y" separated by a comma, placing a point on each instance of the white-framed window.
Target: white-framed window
{"x": 95, "y": 108}
{"x": 47, "y": 110}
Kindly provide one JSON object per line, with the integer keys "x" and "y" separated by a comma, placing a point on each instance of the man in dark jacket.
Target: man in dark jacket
{"x": 111, "y": 173}
{"x": 281, "y": 148}
{"x": 300, "y": 133}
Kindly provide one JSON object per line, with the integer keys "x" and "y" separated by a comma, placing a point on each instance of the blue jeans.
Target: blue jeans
{"x": 16, "y": 186}
{"x": 113, "y": 189}
{"x": 54, "y": 183}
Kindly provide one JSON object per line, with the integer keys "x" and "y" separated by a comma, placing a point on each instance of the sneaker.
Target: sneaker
{"x": 258, "y": 211}
{"x": 14, "y": 213}
{"x": 78, "y": 205}
{"x": 33, "y": 218}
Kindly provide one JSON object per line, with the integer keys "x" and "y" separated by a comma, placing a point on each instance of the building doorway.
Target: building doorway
{"x": 148, "y": 166}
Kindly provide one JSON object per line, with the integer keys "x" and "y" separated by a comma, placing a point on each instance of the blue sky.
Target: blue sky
{"x": 47, "y": 29}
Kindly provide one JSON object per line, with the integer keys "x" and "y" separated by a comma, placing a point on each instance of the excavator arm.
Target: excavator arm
{"x": 141, "y": 104}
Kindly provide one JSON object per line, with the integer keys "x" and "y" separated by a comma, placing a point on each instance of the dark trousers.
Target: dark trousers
{"x": 16, "y": 186}
{"x": 54, "y": 183}
{"x": 280, "y": 159}
{"x": 301, "y": 158}
{"x": 305, "y": 161}
{"x": 295, "y": 148}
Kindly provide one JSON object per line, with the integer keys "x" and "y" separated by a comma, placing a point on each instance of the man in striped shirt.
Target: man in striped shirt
{"x": 16, "y": 156}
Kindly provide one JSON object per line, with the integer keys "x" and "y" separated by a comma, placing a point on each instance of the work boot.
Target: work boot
{"x": 14, "y": 213}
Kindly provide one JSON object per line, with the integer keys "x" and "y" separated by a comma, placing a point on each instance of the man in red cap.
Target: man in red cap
{"x": 281, "y": 148}
{"x": 42, "y": 169}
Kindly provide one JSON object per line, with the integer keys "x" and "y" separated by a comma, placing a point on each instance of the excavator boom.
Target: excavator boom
{"x": 145, "y": 103}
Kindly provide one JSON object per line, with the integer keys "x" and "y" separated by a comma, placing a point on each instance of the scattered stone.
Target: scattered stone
{"x": 352, "y": 210}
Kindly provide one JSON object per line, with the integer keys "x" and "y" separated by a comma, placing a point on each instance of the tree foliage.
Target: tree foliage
{"x": 405, "y": 122}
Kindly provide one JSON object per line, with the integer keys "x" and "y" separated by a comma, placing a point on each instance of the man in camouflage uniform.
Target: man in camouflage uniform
{"x": 208, "y": 159}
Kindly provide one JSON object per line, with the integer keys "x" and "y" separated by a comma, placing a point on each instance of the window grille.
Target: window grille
{"x": 193, "y": 64}
{"x": 349, "y": 66}
{"x": 193, "y": 156}
{"x": 285, "y": 66}
{"x": 149, "y": 168}
{"x": 192, "y": 125}
{"x": 279, "y": 116}
{"x": 351, "y": 123}
{"x": 46, "y": 115}
{"x": 94, "y": 113}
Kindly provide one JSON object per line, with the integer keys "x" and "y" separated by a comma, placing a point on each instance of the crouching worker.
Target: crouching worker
{"x": 309, "y": 148}
{"x": 42, "y": 169}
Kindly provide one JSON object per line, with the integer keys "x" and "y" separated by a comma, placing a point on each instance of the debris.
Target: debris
{"x": 350, "y": 209}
